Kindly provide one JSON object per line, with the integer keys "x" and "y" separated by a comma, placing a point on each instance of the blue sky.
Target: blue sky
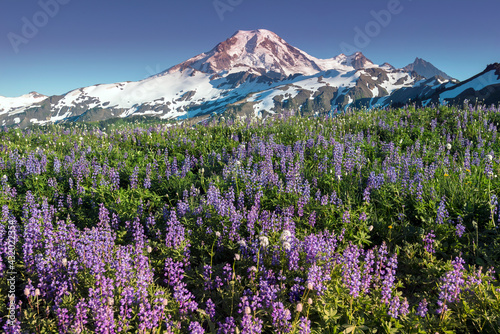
{"x": 88, "y": 42}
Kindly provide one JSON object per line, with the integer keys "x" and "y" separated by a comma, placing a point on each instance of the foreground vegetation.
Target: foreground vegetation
{"x": 383, "y": 221}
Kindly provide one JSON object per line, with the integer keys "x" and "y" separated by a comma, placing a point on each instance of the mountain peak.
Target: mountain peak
{"x": 36, "y": 95}
{"x": 494, "y": 66}
{"x": 425, "y": 69}
{"x": 356, "y": 60}
{"x": 257, "y": 51}
{"x": 259, "y": 32}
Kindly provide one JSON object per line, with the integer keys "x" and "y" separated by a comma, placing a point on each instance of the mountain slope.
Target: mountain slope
{"x": 484, "y": 87}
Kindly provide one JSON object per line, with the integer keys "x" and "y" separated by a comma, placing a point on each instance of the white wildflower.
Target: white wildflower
{"x": 287, "y": 246}
{"x": 285, "y": 235}
{"x": 264, "y": 241}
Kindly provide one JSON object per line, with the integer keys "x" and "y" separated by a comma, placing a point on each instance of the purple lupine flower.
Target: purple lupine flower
{"x": 429, "y": 242}
{"x": 12, "y": 327}
{"x": 315, "y": 279}
{"x": 125, "y": 315}
{"x": 304, "y": 325}
{"x": 227, "y": 327}
{"x": 293, "y": 257}
{"x": 324, "y": 200}
{"x": 362, "y": 216}
{"x": 196, "y": 328}
{"x": 459, "y": 230}
{"x": 451, "y": 286}
{"x": 442, "y": 214}
{"x": 227, "y": 273}
{"x": 366, "y": 195}
{"x": 134, "y": 177}
{"x": 394, "y": 307}
{"x": 312, "y": 219}
{"x": 101, "y": 309}
{"x": 389, "y": 278}
{"x": 281, "y": 318}
{"x": 185, "y": 299}
{"x": 367, "y": 271}
{"x": 210, "y": 308}
{"x": 419, "y": 192}
{"x": 147, "y": 179}
{"x": 404, "y": 309}
{"x": 488, "y": 167}
{"x": 207, "y": 274}
{"x": 422, "y": 308}
{"x": 351, "y": 273}
{"x": 346, "y": 217}
{"x": 103, "y": 216}
{"x": 297, "y": 290}
{"x": 338, "y": 154}
{"x": 474, "y": 278}
{"x": 174, "y": 271}
{"x": 494, "y": 206}
{"x": 175, "y": 232}
{"x": 251, "y": 325}
{"x": 80, "y": 317}
{"x": 114, "y": 176}
{"x": 268, "y": 292}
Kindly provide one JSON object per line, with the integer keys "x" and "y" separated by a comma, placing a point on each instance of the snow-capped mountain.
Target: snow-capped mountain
{"x": 262, "y": 51}
{"x": 252, "y": 72}
{"x": 13, "y": 106}
{"x": 253, "y": 51}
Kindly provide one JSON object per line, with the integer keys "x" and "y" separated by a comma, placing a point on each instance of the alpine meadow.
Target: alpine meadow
{"x": 249, "y": 167}
{"x": 367, "y": 221}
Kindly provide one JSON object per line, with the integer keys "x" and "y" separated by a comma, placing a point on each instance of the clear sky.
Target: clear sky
{"x": 86, "y": 42}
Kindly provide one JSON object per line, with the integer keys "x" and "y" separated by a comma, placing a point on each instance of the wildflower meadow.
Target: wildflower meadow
{"x": 380, "y": 221}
